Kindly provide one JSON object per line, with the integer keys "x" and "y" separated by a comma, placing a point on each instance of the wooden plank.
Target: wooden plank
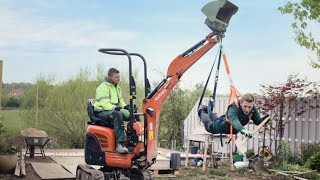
{"x": 17, "y": 170}
{"x": 166, "y": 173}
{"x": 289, "y": 175}
{"x": 162, "y": 163}
{"x": 68, "y": 162}
{"x": 51, "y": 171}
{"x": 23, "y": 166}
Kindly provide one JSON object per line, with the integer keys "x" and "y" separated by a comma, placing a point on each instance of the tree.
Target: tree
{"x": 63, "y": 107}
{"x": 284, "y": 100}
{"x": 304, "y": 13}
{"x": 175, "y": 110}
{"x": 13, "y": 102}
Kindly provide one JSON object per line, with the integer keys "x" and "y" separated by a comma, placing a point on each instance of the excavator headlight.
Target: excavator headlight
{"x": 218, "y": 14}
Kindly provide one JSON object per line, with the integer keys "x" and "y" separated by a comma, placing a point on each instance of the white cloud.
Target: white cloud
{"x": 26, "y": 32}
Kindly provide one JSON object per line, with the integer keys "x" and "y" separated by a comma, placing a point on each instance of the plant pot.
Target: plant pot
{"x": 8, "y": 162}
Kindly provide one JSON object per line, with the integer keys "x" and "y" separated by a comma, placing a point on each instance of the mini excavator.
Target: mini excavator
{"x": 142, "y": 136}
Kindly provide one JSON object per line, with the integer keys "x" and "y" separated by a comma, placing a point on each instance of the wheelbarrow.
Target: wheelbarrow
{"x": 35, "y": 138}
{"x": 33, "y": 142}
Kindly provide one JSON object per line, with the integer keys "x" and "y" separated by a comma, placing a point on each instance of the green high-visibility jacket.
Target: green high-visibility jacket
{"x": 108, "y": 97}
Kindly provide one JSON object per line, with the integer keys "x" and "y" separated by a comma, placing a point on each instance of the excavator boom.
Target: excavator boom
{"x": 153, "y": 103}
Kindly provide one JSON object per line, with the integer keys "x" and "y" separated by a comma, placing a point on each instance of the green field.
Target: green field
{"x": 12, "y": 122}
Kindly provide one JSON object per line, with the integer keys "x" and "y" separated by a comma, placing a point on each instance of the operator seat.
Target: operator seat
{"x": 107, "y": 122}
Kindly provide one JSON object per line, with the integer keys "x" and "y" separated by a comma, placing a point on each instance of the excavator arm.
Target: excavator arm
{"x": 152, "y": 104}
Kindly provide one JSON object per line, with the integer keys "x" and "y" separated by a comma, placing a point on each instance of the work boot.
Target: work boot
{"x": 121, "y": 149}
{"x": 202, "y": 108}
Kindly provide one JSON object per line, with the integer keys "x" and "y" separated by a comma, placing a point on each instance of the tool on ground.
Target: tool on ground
{"x": 257, "y": 162}
{"x": 242, "y": 143}
{"x": 264, "y": 151}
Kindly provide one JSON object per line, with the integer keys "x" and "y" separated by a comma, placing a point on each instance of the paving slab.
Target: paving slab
{"x": 69, "y": 162}
{"x": 51, "y": 171}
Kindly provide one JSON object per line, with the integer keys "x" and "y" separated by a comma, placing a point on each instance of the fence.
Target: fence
{"x": 298, "y": 129}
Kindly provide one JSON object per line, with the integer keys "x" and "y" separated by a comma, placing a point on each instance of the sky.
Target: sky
{"x": 42, "y": 37}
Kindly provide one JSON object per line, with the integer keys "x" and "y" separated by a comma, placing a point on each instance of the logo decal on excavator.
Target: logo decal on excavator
{"x": 160, "y": 94}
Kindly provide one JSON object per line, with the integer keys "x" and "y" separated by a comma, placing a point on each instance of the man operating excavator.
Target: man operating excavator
{"x": 109, "y": 102}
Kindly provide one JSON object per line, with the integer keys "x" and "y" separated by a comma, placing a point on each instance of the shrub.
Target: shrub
{"x": 308, "y": 150}
{"x": 249, "y": 153}
{"x": 291, "y": 167}
{"x": 8, "y": 149}
{"x": 314, "y": 162}
{"x": 284, "y": 152}
{"x": 2, "y": 130}
{"x": 13, "y": 102}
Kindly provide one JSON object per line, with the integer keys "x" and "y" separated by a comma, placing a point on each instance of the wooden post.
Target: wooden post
{"x": 231, "y": 156}
{"x": 37, "y": 107}
{"x": 23, "y": 166}
{"x": 1, "y": 62}
{"x": 213, "y": 156}
{"x": 205, "y": 156}
{"x": 187, "y": 153}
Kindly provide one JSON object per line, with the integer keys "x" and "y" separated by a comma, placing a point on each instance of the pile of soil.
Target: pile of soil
{"x": 32, "y": 132}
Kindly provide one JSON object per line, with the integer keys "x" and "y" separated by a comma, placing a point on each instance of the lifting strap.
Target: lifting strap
{"x": 216, "y": 81}
{"x": 234, "y": 94}
{"x": 212, "y": 99}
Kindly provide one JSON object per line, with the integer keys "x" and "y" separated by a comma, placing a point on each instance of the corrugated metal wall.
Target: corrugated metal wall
{"x": 298, "y": 130}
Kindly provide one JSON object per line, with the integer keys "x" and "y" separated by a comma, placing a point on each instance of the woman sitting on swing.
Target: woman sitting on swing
{"x": 239, "y": 115}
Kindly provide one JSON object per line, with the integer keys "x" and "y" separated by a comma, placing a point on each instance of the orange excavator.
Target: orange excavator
{"x": 142, "y": 136}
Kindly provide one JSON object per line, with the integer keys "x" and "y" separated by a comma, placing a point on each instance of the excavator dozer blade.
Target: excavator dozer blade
{"x": 218, "y": 14}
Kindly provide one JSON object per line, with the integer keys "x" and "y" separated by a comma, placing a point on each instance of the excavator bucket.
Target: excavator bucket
{"x": 256, "y": 163}
{"x": 218, "y": 14}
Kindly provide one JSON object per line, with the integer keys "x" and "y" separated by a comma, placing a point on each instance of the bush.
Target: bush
{"x": 314, "y": 162}
{"x": 8, "y": 149}
{"x": 12, "y": 101}
{"x": 2, "y": 129}
{"x": 285, "y": 153}
{"x": 291, "y": 167}
{"x": 249, "y": 153}
{"x": 308, "y": 150}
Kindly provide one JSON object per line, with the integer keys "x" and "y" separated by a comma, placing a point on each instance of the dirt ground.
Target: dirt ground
{"x": 30, "y": 173}
{"x": 221, "y": 173}
{"x": 191, "y": 173}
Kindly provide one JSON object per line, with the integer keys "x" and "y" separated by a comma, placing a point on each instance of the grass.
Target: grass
{"x": 12, "y": 122}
